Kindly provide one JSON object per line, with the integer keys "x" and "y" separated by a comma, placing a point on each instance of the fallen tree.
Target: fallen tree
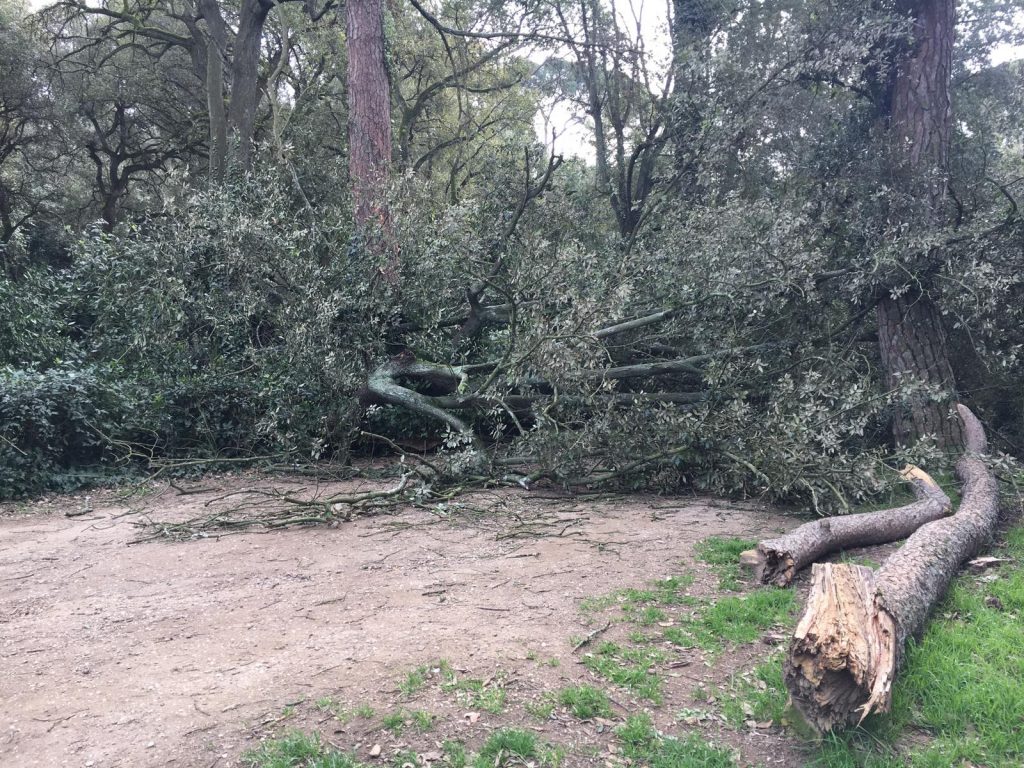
{"x": 776, "y": 561}
{"x": 850, "y": 641}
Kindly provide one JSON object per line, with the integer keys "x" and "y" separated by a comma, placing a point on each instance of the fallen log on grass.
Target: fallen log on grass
{"x": 850, "y": 642}
{"x": 776, "y": 561}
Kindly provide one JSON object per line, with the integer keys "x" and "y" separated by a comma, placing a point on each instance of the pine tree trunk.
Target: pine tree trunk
{"x": 369, "y": 104}
{"x": 913, "y": 348}
{"x": 910, "y": 331}
{"x": 776, "y": 561}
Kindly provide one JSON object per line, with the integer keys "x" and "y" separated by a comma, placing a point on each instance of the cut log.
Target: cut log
{"x": 776, "y": 561}
{"x": 850, "y": 642}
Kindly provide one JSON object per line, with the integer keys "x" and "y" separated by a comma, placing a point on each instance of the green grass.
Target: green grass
{"x": 759, "y": 695}
{"x": 633, "y": 602}
{"x": 585, "y": 701}
{"x": 394, "y": 722}
{"x": 298, "y": 750}
{"x": 405, "y": 757}
{"x": 455, "y": 754}
{"x": 962, "y": 687}
{"x": 723, "y": 554}
{"x": 642, "y": 745}
{"x": 735, "y": 620}
{"x": 628, "y": 667}
{"x": 329, "y": 706}
{"x": 542, "y": 708}
{"x": 489, "y": 700}
{"x": 476, "y": 694}
{"x": 507, "y": 747}
{"x": 423, "y": 720}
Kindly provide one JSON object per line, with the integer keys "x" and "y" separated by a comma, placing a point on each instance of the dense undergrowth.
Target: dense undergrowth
{"x": 223, "y": 330}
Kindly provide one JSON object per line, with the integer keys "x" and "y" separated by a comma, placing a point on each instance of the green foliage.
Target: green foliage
{"x": 507, "y": 747}
{"x": 724, "y": 556}
{"x": 642, "y": 743}
{"x": 241, "y": 333}
{"x": 297, "y": 750}
{"x": 585, "y": 701}
{"x": 53, "y": 425}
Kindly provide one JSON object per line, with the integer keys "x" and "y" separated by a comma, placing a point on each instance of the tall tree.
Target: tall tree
{"x": 920, "y": 119}
{"x": 369, "y": 119}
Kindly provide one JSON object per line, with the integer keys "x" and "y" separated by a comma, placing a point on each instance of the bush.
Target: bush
{"x": 52, "y": 426}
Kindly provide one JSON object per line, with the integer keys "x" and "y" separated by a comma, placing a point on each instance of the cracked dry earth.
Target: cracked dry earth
{"x": 185, "y": 653}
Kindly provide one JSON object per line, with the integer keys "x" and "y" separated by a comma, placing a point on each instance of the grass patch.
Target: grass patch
{"x": 759, "y": 695}
{"x": 298, "y": 750}
{"x": 455, "y": 754}
{"x": 735, "y": 620}
{"x": 585, "y": 702}
{"x": 476, "y": 693}
{"x": 628, "y": 667}
{"x": 662, "y": 592}
{"x": 489, "y": 700}
{"x": 542, "y": 708}
{"x": 507, "y": 747}
{"x": 642, "y": 744}
{"x": 963, "y": 683}
{"x": 394, "y": 722}
{"x": 416, "y": 680}
{"x": 723, "y": 554}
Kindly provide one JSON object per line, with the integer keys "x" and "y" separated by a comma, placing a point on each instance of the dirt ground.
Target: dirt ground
{"x": 187, "y": 653}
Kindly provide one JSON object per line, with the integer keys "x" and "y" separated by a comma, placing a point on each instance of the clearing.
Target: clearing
{"x": 418, "y": 633}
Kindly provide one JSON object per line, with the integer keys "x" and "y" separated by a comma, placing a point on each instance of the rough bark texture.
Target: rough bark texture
{"x": 211, "y": 66}
{"x": 245, "y": 90}
{"x": 693, "y": 22}
{"x": 849, "y": 644}
{"x": 369, "y": 110}
{"x": 910, "y": 332}
{"x": 776, "y": 561}
{"x": 912, "y": 344}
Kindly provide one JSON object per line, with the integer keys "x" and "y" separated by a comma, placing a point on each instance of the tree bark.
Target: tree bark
{"x": 850, "y": 642}
{"x": 776, "y": 561}
{"x": 245, "y": 90}
{"x": 369, "y": 120}
{"x": 913, "y": 348}
{"x": 692, "y": 24}
{"x": 910, "y": 332}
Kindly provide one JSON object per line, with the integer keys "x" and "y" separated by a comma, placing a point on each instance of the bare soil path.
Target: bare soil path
{"x": 185, "y": 653}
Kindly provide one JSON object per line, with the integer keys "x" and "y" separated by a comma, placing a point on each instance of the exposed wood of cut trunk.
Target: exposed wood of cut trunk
{"x": 776, "y": 561}
{"x": 849, "y": 644}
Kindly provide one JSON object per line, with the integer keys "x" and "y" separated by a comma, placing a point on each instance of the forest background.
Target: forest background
{"x": 258, "y": 232}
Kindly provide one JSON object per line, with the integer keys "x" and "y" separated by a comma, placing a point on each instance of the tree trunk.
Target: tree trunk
{"x": 776, "y": 561}
{"x": 692, "y": 24}
{"x": 920, "y": 117}
{"x": 849, "y": 644}
{"x": 245, "y": 90}
{"x": 369, "y": 120}
{"x": 215, "y": 108}
{"x": 913, "y": 348}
